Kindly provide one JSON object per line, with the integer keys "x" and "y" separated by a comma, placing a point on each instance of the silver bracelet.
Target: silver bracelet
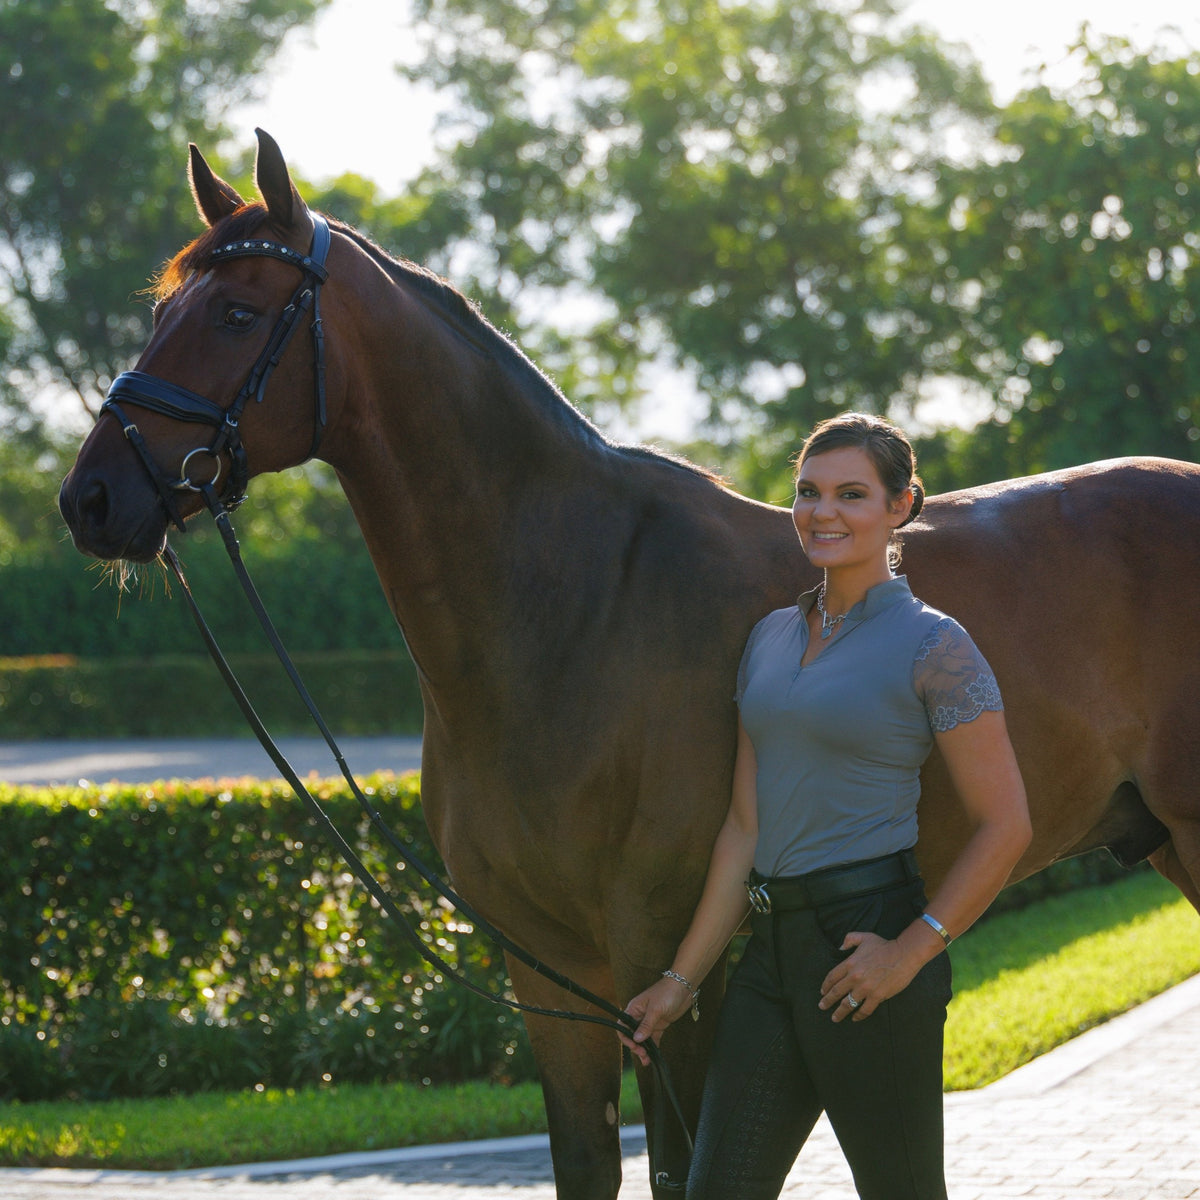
{"x": 668, "y": 974}
{"x": 937, "y": 927}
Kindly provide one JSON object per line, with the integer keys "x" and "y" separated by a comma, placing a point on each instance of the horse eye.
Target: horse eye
{"x": 240, "y": 318}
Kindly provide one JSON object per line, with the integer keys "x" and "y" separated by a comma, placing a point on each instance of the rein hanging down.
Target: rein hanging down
{"x": 616, "y": 1018}
{"x": 157, "y": 395}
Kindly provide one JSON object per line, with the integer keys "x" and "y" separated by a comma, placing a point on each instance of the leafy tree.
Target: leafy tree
{"x": 98, "y": 98}
{"x": 1073, "y": 264}
{"x": 813, "y": 207}
{"x": 725, "y": 172}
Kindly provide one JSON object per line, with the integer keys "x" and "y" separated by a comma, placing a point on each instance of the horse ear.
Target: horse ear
{"x": 214, "y": 197}
{"x": 284, "y": 205}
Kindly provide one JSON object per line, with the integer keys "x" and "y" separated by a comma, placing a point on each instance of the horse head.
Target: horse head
{"x": 211, "y": 401}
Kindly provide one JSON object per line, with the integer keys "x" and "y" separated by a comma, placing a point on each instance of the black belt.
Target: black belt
{"x": 786, "y": 892}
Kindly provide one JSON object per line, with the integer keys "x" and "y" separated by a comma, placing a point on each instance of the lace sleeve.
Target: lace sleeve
{"x": 953, "y": 678}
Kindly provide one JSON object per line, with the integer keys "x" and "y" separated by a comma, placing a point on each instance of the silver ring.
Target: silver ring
{"x": 185, "y": 484}
{"x": 850, "y": 1000}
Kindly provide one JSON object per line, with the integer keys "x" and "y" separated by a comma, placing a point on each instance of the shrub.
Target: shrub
{"x": 298, "y": 539}
{"x": 183, "y": 938}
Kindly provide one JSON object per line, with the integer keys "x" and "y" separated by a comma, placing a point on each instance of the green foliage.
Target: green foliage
{"x": 810, "y": 206}
{"x": 298, "y": 539}
{"x": 190, "y": 937}
{"x": 1071, "y": 260}
{"x": 1059, "y": 952}
{"x": 31, "y": 465}
{"x": 728, "y": 180}
{"x": 1026, "y": 983}
{"x": 99, "y": 99}
{"x": 418, "y": 226}
{"x": 89, "y": 651}
{"x": 180, "y": 939}
{"x": 714, "y": 170}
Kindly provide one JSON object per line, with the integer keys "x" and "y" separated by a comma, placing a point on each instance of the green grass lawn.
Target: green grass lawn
{"x": 1024, "y": 983}
{"x": 1028, "y": 981}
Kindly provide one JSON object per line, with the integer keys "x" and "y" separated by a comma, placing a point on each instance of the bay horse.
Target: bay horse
{"x": 576, "y": 610}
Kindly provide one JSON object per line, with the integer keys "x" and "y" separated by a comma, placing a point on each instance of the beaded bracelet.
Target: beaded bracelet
{"x": 668, "y": 974}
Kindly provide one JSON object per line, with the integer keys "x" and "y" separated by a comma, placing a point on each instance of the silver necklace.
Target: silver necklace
{"x": 828, "y": 624}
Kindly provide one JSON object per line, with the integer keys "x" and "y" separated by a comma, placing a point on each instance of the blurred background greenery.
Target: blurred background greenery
{"x": 796, "y": 207}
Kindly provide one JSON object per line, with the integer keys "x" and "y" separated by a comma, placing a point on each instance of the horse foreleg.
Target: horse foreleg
{"x": 685, "y": 1053}
{"x": 671, "y": 1116}
{"x": 580, "y": 1068}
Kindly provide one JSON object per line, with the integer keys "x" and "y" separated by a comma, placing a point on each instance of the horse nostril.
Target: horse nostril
{"x": 93, "y": 504}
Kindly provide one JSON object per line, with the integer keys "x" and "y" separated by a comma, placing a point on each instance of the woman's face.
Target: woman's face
{"x": 842, "y": 511}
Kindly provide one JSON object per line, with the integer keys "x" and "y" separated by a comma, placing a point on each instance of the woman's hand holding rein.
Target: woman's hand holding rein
{"x": 657, "y": 1007}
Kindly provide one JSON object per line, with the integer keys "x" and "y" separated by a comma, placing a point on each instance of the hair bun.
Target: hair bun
{"x": 918, "y": 493}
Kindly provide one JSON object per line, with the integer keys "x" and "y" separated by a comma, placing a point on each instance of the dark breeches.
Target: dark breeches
{"x": 779, "y": 1061}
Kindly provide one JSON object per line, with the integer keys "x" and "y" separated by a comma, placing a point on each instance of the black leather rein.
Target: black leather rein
{"x": 157, "y": 395}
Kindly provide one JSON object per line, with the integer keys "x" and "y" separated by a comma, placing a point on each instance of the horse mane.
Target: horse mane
{"x": 446, "y": 297}
{"x": 443, "y": 297}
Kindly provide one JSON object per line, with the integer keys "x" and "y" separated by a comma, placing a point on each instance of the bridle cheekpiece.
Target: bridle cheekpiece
{"x": 158, "y": 395}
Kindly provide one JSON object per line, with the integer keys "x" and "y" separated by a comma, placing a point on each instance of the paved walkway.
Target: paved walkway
{"x": 1113, "y": 1115}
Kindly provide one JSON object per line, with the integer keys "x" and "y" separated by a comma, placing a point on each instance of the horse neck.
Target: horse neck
{"x": 472, "y": 482}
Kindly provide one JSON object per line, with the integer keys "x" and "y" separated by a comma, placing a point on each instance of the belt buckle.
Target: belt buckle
{"x": 760, "y": 899}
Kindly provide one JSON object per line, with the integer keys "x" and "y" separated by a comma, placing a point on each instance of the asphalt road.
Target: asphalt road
{"x": 144, "y": 761}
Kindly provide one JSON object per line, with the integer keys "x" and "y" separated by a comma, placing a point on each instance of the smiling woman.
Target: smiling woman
{"x": 838, "y": 713}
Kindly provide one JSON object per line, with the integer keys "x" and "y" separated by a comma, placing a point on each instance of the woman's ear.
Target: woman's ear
{"x": 901, "y": 507}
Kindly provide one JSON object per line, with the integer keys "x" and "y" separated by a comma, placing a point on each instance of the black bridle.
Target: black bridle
{"x": 171, "y": 400}
{"x": 157, "y": 395}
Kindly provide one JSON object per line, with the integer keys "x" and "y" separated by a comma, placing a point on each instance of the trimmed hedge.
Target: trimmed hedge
{"x": 55, "y": 696}
{"x": 172, "y": 940}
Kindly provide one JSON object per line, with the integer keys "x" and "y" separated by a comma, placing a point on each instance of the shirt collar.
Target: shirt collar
{"x": 882, "y": 595}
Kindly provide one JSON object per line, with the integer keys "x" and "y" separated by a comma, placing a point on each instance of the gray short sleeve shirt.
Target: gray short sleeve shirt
{"x": 840, "y": 741}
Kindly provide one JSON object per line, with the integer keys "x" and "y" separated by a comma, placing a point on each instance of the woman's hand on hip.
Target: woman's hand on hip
{"x": 877, "y": 970}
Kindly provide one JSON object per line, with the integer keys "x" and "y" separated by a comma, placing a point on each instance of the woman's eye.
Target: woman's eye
{"x": 240, "y": 318}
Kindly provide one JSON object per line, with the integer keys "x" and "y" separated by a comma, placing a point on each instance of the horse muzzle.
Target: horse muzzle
{"x": 112, "y": 515}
